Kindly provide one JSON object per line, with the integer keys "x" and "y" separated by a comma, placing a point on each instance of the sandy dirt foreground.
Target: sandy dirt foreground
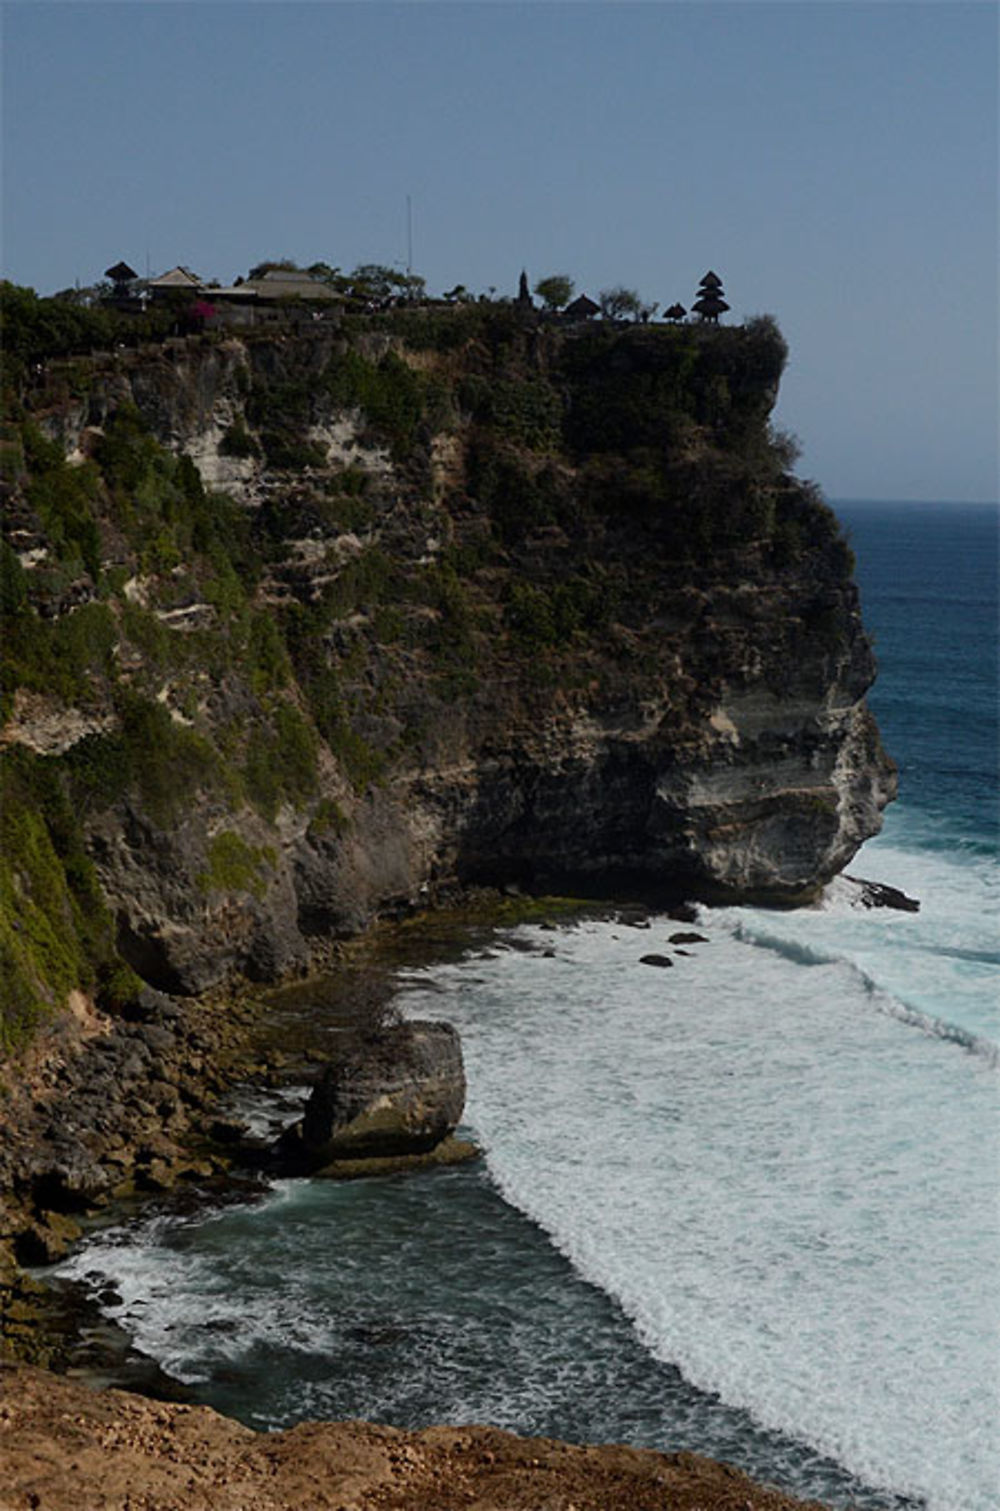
{"x": 65, "y": 1447}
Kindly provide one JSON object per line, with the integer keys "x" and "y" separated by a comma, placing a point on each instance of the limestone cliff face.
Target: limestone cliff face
{"x": 487, "y": 600}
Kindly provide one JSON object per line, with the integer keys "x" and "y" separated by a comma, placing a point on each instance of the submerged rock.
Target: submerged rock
{"x": 877, "y": 894}
{"x": 400, "y": 1092}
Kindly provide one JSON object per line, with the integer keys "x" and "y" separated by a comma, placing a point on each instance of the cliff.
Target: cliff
{"x": 317, "y": 623}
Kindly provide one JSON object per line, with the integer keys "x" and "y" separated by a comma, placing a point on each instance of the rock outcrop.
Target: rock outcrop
{"x": 399, "y": 1091}
{"x": 877, "y": 894}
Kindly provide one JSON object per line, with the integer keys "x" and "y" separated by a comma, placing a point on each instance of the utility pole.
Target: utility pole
{"x": 409, "y": 236}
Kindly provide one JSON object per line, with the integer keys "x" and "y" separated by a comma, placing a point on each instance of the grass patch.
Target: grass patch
{"x": 235, "y": 866}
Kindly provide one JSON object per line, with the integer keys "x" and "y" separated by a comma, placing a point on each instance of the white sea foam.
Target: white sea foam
{"x": 185, "y": 1299}
{"x": 937, "y": 970}
{"x": 792, "y": 1196}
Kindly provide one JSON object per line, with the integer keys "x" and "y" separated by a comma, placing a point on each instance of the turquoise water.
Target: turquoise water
{"x": 747, "y": 1206}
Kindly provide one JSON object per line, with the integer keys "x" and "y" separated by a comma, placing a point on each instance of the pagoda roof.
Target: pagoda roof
{"x": 120, "y": 272}
{"x": 711, "y": 281}
{"x": 582, "y": 305}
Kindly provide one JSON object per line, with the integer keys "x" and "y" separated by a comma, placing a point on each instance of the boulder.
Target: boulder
{"x": 398, "y": 1092}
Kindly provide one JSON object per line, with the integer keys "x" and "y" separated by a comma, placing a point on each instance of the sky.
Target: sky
{"x": 834, "y": 162}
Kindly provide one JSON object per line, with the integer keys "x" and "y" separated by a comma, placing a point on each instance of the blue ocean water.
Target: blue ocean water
{"x": 928, "y": 580}
{"x": 748, "y": 1205}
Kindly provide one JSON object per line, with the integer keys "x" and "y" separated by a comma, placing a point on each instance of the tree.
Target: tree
{"x": 330, "y": 275}
{"x": 273, "y": 264}
{"x": 377, "y": 281}
{"x": 619, "y": 303}
{"x": 555, "y": 291}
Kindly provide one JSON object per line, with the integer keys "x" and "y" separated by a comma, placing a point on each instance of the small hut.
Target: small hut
{"x": 582, "y": 308}
{"x": 675, "y": 312}
{"x": 177, "y": 282}
{"x": 121, "y": 276}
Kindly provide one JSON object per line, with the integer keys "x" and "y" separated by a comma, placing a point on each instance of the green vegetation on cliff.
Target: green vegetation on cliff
{"x": 56, "y": 934}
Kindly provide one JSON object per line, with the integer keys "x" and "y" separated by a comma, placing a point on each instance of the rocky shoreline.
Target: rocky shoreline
{"x": 108, "y": 1108}
{"x": 104, "y": 1112}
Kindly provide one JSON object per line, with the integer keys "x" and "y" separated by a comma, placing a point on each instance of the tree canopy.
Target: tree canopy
{"x": 378, "y": 281}
{"x": 621, "y": 304}
{"x": 555, "y": 291}
{"x": 273, "y": 265}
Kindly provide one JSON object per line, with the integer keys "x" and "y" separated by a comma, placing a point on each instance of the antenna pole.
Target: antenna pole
{"x": 409, "y": 236}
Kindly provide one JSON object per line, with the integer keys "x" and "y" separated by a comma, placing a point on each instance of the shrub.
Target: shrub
{"x": 518, "y": 495}
{"x": 329, "y": 819}
{"x": 235, "y": 866}
{"x": 64, "y": 498}
{"x": 55, "y": 931}
{"x": 526, "y": 410}
{"x": 237, "y": 441}
{"x": 70, "y": 657}
{"x": 280, "y": 761}
{"x": 291, "y": 453}
{"x": 390, "y": 394}
{"x": 149, "y": 756}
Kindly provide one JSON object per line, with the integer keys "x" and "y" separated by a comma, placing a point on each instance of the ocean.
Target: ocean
{"x": 748, "y": 1206}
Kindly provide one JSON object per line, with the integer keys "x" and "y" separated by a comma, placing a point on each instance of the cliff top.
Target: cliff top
{"x": 63, "y": 1446}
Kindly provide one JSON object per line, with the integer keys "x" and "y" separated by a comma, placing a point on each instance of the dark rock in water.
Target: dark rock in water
{"x": 688, "y": 939}
{"x": 684, "y": 912}
{"x": 400, "y": 1092}
{"x": 876, "y": 894}
{"x": 655, "y": 960}
{"x": 634, "y": 918}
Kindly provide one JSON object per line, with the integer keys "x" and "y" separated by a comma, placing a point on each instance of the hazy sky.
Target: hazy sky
{"x": 835, "y": 163}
